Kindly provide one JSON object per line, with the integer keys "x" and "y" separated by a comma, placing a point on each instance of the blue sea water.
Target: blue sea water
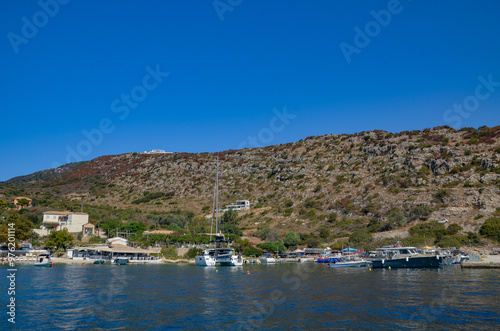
{"x": 291, "y": 296}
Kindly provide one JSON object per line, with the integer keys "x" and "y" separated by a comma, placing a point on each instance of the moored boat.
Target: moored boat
{"x": 399, "y": 256}
{"x": 218, "y": 255}
{"x": 349, "y": 264}
{"x": 121, "y": 261}
{"x": 43, "y": 260}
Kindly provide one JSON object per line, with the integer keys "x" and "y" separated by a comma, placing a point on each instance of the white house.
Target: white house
{"x": 59, "y": 220}
{"x": 239, "y": 205}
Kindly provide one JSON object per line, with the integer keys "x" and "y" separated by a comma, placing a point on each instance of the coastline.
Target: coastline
{"x": 65, "y": 260}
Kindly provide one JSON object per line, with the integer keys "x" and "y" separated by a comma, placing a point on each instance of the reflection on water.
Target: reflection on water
{"x": 282, "y": 296}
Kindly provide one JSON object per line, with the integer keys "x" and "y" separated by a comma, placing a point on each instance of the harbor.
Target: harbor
{"x": 257, "y": 296}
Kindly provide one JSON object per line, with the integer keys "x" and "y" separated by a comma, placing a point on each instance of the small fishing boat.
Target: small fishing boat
{"x": 43, "y": 260}
{"x": 267, "y": 259}
{"x": 100, "y": 261}
{"x": 121, "y": 261}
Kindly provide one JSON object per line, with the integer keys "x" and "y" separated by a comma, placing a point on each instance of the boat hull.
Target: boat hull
{"x": 121, "y": 261}
{"x": 229, "y": 260}
{"x": 43, "y": 264}
{"x": 267, "y": 260}
{"x": 204, "y": 261}
{"x": 409, "y": 262}
{"x": 353, "y": 264}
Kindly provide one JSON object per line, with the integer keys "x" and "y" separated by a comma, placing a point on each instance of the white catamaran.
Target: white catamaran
{"x": 219, "y": 255}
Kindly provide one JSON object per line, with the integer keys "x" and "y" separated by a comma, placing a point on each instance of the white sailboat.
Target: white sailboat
{"x": 219, "y": 255}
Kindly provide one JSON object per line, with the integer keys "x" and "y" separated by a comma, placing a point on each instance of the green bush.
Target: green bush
{"x": 192, "y": 252}
{"x": 442, "y": 194}
{"x": 453, "y": 229}
{"x": 360, "y": 238}
{"x": 169, "y": 252}
{"x": 252, "y": 251}
{"x": 273, "y": 247}
{"x": 491, "y": 228}
{"x": 428, "y": 230}
{"x": 451, "y": 241}
{"x": 291, "y": 240}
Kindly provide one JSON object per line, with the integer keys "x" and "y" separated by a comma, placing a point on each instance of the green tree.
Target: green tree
{"x": 196, "y": 227}
{"x": 229, "y": 224}
{"x": 273, "y": 247}
{"x": 22, "y": 226}
{"x": 23, "y": 202}
{"x": 395, "y": 219}
{"x": 453, "y": 229}
{"x": 324, "y": 232}
{"x": 252, "y": 251}
{"x": 491, "y": 228}
{"x": 373, "y": 224}
{"x": 110, "y": 227}
{"x": 191, "y": 254}
{"x": 59, "y": 239}
{"x": 359, "y": 238}
{"x": 291, "y": 240}
{"x": 3, "y": 205}
{"x": 269, "y": 234}
{"x": 136, "y": 227}
{"x": 230, "y": 217}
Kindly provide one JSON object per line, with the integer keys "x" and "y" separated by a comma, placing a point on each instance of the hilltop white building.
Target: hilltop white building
{"x": 239, "y": 205}
{"x": 157, "y": 151}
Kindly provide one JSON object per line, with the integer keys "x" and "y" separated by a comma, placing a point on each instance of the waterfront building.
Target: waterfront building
{"x": 59, "y": 220}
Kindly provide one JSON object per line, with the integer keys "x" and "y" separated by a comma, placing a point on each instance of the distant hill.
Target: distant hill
{"x": 44, "y": 175}
{"x": 319, "y": 181}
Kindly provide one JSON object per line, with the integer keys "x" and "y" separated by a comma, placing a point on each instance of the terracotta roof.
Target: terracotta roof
{"x": 55, "y": 212}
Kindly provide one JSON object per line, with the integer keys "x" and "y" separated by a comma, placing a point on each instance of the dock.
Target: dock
{"x": 488, "y": 262}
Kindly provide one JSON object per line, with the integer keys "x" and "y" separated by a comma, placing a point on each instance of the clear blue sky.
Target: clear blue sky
{"x": 82, "y": 66}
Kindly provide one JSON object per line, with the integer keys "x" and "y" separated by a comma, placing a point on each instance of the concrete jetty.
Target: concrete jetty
{"x": 488, "y": 262}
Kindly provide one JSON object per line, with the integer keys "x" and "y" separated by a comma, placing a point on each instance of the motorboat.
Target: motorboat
{"x": 399, "y": 256}
{"x": 349, "y": 264}
{"x": 267, "y": 259}
{"x": 206, "y": 258}
{"x": 43, "y": 260}
{"x": 121, "y": 261}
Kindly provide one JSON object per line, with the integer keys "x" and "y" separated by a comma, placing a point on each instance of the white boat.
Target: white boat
{"x": 219, "y": 255}
{"x": 266, "y": 259}
{"x": 349, "y": 264}
{"x": 228, "y": 257}
{"x": 206, "y": 258}
{"x": 43, "y": 260}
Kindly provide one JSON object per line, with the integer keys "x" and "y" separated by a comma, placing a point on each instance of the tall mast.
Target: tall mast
{"x": 217, "y": 197}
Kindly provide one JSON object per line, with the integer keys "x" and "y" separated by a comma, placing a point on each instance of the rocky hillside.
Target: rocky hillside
{"x": 429, "y": 174}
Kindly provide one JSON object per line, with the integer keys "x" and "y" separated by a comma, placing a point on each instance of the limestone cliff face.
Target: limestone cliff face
{"x": 447, "y": 173}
